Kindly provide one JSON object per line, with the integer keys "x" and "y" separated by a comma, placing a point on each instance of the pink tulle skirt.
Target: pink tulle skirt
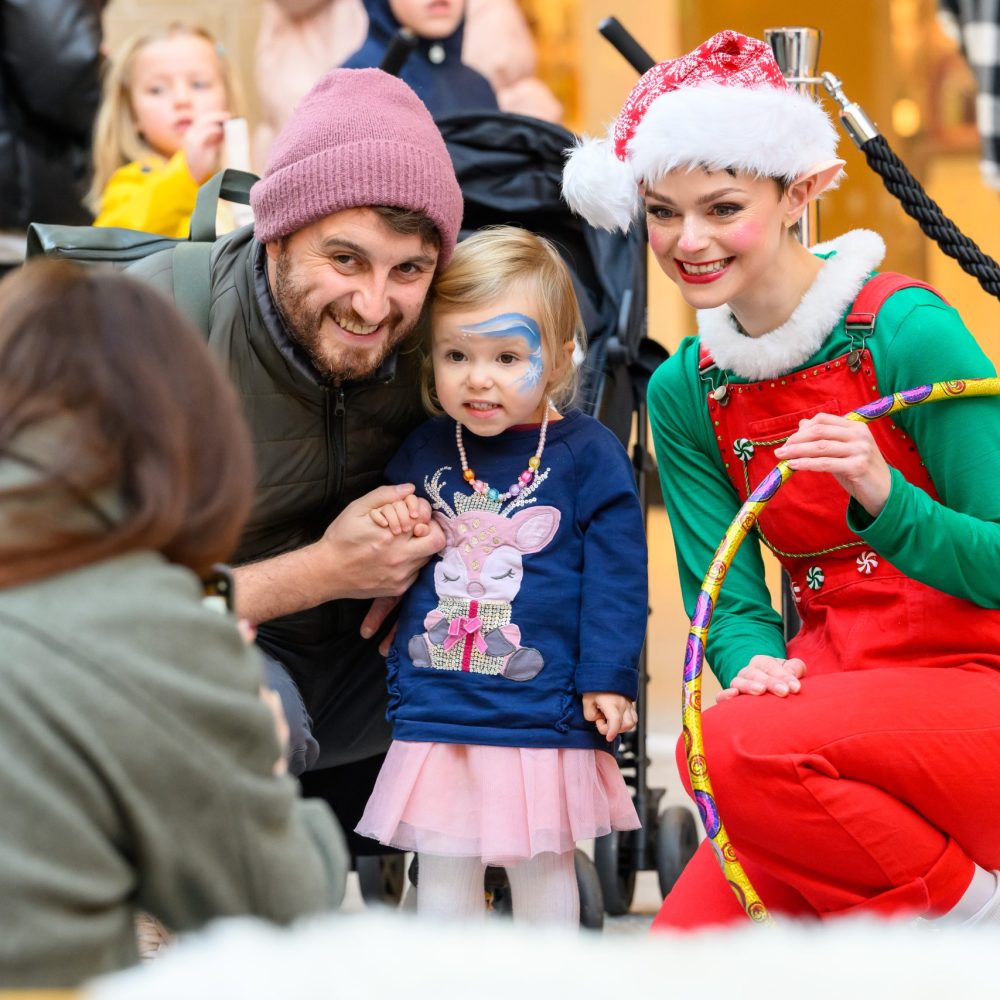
{"x": 500, "y": 804}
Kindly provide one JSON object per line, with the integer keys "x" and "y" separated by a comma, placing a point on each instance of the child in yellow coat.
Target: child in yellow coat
{"x": 160, "y": 130}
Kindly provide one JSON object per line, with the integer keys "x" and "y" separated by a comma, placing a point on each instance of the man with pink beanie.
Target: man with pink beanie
{"x": 357, "y": 209}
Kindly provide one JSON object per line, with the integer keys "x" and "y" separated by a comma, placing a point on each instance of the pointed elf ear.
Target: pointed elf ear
{"x": 814, "y": 181}
{"x": 810, "y": 184}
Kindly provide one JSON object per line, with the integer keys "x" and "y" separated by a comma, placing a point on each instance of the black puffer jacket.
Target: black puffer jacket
{"x": 50, "y": 65}
{"x": 318, "y": 447}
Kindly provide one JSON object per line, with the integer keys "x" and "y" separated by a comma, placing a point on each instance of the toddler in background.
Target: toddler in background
{"x": 514, "y": 667}
{"x": 160, "y": 130}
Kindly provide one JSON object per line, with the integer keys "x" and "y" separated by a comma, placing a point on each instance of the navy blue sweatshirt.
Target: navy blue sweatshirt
{"x": 528, "y": 607}
{"x": 445, "y": 87}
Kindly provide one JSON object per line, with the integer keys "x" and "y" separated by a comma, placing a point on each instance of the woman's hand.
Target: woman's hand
{"x": 612, "y": 713}
{"x": 766, "y": 675}
{"x": 847, "y": 450}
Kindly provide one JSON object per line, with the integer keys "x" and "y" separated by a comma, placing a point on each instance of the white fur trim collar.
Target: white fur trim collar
{"x": 784, "y": 349}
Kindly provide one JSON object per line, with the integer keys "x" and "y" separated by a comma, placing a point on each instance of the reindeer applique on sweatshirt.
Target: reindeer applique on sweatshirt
{"x": 476, "y": 579}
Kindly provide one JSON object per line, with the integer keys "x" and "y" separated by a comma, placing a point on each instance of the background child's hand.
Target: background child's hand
{"x": 202, "y": 145}
{"x": 411, "y": 514}
{"x": 613, "y": 713}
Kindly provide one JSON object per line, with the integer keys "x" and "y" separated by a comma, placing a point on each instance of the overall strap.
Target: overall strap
{"x": 876, "y": 290}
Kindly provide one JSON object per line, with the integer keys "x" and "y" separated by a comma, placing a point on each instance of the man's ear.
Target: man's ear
{"x": 272, "y": 247}
{"x": 809, "y": 185}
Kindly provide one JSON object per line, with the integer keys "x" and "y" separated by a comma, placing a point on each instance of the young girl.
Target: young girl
{"x": 160, "y": 130}
{"x": 857, "y": 769}
{"x": 514, "y": 667}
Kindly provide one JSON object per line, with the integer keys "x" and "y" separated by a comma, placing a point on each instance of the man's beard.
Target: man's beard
{"x": 337, "y": 361}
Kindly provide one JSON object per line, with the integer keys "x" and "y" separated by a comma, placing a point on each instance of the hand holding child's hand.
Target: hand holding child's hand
{"x": 411, "y": 514}
{"x": 613, "y": 713}
{"x": 202, "y": 145}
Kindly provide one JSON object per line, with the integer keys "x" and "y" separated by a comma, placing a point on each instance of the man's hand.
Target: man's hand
{"x": 375, "y": 560}
{"x": 766, "y": 675}
{"x": 612, "y": 713}
{"x": 355, "y": 558}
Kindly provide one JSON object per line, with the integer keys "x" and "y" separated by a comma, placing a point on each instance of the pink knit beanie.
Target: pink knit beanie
{"x": 360, "y": 137}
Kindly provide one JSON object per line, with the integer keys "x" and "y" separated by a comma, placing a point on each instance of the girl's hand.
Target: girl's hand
{"x": 612, "y": 713}
{"x": 847, "y": 450}
{"x": 766, "y": 675}
{"x": 202, "y": 145}
{"x": 411, "y": 514}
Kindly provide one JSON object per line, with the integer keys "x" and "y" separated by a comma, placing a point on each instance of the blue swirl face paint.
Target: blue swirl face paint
{"x": 515, "y": 324}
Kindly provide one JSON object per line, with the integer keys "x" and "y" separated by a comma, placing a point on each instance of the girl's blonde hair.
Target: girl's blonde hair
{"x": 500, "y": 261}
{"x": 116, "y": 139}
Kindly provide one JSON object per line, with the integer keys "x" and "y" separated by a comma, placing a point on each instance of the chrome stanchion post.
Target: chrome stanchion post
{"x": 796, "y": 51}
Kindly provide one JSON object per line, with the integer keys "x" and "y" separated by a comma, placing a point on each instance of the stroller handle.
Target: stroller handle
{"x": 402, "y": 44}
{"x": 636, "y": 56}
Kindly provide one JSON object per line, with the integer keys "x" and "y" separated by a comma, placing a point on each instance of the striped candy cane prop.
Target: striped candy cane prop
{"x": 694, "y": 658}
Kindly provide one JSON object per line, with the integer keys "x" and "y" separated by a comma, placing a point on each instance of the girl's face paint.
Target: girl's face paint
{"x": 719, "y": 237}
{"x": 491, "y": 370}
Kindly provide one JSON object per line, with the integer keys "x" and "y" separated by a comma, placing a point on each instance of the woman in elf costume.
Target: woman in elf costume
{"x": 857, "y": 769}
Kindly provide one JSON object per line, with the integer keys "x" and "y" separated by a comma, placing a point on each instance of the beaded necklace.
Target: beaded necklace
{"x": 490, "y": 492}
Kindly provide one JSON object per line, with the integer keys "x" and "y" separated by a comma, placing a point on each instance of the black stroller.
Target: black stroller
{"x": 510, "y": 170}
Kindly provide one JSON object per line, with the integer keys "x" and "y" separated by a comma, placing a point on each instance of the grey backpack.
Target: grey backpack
{"x": 119, "y": 248}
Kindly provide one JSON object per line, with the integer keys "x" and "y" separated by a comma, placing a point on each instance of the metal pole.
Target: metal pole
{"x": 796, "y": 51}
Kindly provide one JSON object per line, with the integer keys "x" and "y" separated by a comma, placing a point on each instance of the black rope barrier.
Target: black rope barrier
{"x": 920, "y": 206}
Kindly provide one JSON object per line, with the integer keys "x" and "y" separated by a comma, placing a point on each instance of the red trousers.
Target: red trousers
{"x": 870, "y": 791}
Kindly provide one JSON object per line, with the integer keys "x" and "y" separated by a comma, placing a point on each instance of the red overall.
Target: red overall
{"x": 876, "y": 787}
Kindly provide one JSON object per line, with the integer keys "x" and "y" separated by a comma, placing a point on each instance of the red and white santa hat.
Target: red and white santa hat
{"x": 723, "y": 106}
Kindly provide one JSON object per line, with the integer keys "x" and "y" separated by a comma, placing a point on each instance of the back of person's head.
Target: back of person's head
{"x": 118, "y": 429}
{"x": 117, "y": 137}
{"x": 503, "y": 261}
{"x": 360, "y": 138}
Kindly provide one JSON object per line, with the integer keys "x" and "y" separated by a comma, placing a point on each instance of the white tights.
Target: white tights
{"x": 543, "y": 889}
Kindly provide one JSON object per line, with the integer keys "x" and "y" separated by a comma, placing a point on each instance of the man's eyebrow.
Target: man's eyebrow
{"x": 338, "y": 244}
{"x": 332, "y": 243}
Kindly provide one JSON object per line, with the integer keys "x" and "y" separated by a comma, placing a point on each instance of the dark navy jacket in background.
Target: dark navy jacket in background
{"x": 581, "y": 602}
{"x": 446, "y": 87}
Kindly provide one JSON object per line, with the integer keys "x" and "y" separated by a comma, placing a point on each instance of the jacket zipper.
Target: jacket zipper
{"x": 340, "y": 436}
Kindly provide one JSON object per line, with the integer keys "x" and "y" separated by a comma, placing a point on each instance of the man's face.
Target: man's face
{"x": 350, "y": 289}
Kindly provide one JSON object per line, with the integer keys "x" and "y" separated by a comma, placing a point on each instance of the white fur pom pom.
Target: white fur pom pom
{"x": 598, "y": 186}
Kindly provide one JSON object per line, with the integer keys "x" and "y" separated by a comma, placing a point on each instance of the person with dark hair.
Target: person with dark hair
{"x": 143, "y": 771}
{"x": 311, "y": 313}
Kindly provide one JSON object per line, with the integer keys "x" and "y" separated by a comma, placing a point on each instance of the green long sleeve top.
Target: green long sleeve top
{"x": 952, "y": 545}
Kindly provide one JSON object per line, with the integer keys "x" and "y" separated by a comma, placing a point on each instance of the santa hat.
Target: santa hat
{"x": 723, "y": 106}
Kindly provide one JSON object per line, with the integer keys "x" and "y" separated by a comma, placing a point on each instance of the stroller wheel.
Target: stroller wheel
{"x": 614, "y": 857}
{"x": 382, "y": 878}
{"x": 676, "y": 842}
{"x": 591, "y": 897}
